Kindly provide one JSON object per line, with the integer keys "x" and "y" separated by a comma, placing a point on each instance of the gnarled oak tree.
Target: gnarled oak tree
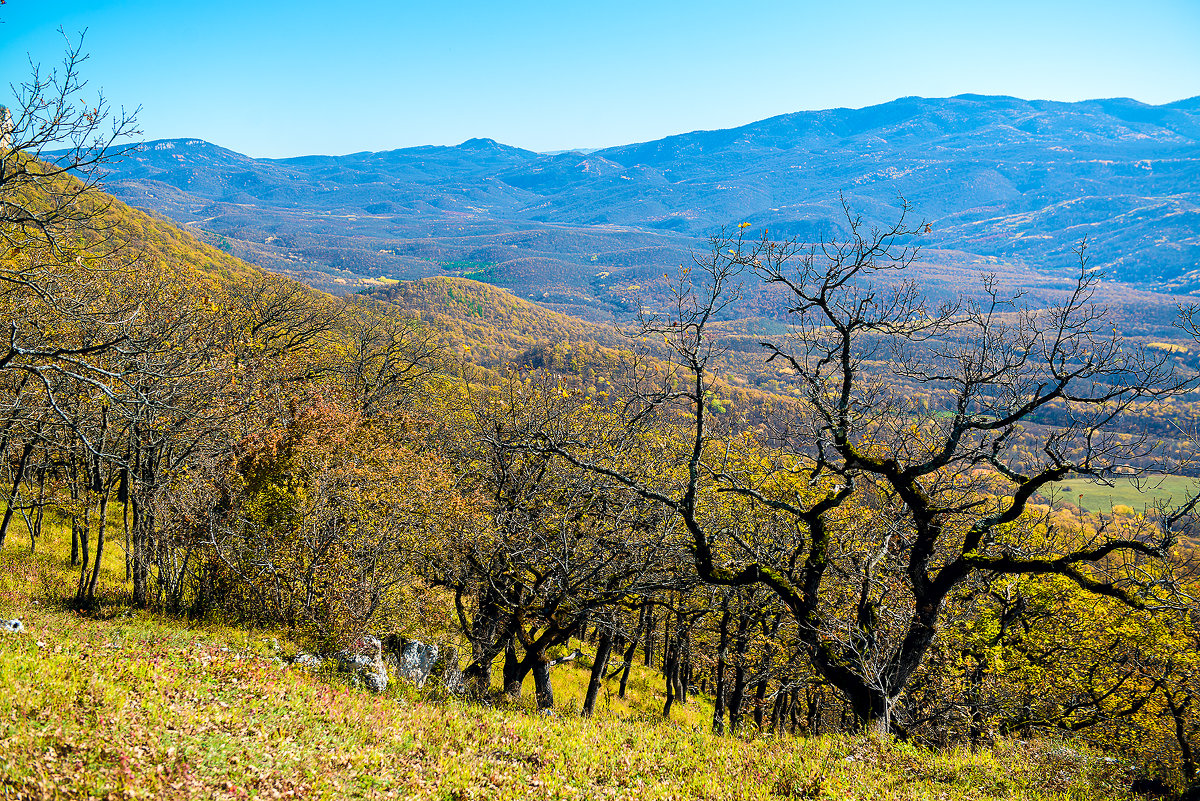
{"x": 883, "y": 505}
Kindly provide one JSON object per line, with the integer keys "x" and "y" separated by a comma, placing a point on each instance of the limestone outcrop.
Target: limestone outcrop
{"x": 372, "y": 663}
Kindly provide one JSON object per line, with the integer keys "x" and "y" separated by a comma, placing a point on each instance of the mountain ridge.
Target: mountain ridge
{"x": 998, "y": 177}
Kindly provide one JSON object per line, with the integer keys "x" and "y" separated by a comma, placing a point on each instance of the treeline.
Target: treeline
{"x": 855, "y": 558}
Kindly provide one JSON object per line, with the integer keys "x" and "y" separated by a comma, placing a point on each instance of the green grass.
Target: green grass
{"x": 124, "y": 705}
{"x": 1136, "y": 494}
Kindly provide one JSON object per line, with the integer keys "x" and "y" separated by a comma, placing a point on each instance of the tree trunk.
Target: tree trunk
{"x": 718, "y": 720}
{"x": 975, "y": 705}
{"x": 513, "y": 672}
{"x": 74, "y": 542}
{"x": 128, "y": 556}
{"x": 648, "y": 651}
{"x": 777, "y": 710}
{"x": 478, "y": 678}
{"x": 487, "y": 640}
{"x": 680, "y": 683}
{"x": 35, "y": 531}
{"x": 618, "y": 645}
{"x": 603, "y": 651}
{"x": 123, "y": 499}
{"x": 685, "y": 674}
{"x": 1187, "y": 755}
{"x": 18, "y": 474}
{"x": 139, "y": 562}
{"x": 736, "y": 697}
{"x": 91, "y": 588}
{"x": 670, "y": 660}
{"x": 760, "y": 700}
{"x": 742, "y": 641}
{"x": 631, "y": 650}
{"x": 668, "y": 646}
{"x": 812, "y": 713}
{"x": 542, "y": 688}
{"x": 142, "y": 481}
{"x": 81, "y": 589}
{"x": 871, "y": 709}
{"x": 683, "y": 657}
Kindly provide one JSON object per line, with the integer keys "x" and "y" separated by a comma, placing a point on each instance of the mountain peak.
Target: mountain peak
{"x": 180, "y": 144}
{"x": 483, "y": 143}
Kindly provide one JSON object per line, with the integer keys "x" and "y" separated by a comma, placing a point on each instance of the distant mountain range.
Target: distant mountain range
{"x": 999, "y": 178}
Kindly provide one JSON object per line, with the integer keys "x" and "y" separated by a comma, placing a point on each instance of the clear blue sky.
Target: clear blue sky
{"x": 279, "y": 79}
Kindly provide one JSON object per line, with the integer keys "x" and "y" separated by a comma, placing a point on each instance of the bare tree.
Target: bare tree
{"x": 562, "y": 548}
{"x": 890, "y": 505}
{"x": 53, "y": 149}
{"x": 387, "y": 357}
{"x": 58, "y": 249}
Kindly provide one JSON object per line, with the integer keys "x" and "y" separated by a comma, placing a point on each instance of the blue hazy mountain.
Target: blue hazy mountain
{"x": 998, "y": 177}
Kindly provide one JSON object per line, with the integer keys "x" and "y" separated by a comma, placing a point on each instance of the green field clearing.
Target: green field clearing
{"x": 1135, "y": 493}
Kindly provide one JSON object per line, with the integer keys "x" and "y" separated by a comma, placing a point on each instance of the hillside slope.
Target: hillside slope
{"x": 129, "y": 705}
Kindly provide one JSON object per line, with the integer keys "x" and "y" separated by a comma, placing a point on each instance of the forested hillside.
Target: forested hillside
{"x": 838, "y": 519}
{"x": 1018, "y": 181}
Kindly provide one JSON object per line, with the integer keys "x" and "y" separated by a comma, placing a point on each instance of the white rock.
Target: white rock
{"x": 311, "y": 661}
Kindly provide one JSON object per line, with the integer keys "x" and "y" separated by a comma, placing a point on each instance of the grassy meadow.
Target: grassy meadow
{"x": 122, "y": 704}
{"x": 1137, "y": 494}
